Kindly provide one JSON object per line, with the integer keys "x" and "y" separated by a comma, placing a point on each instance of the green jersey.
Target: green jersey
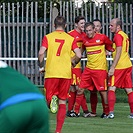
{"x": 17, "y": 84}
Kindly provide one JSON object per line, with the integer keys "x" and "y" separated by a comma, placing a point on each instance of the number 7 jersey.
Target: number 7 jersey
{"x": 59, "y": 45}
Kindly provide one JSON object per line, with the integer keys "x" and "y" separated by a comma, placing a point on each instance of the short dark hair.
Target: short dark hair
{"x": 78, "y": 18}
{"x": 97, "y": 20}
{"x": 89, "y": 24}
{"x": 60, "y": 21}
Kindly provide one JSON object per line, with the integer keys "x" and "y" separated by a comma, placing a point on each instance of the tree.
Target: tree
{"x": 121, "y": 1}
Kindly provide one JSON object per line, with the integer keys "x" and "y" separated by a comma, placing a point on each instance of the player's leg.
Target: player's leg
{"x": 86, "y": 112}
{"x": 120, "y": 79}
{"x": 71, "y": 100}
{"x": 79, "y": 98}
{"x": 80, "y": 93}
{"x": 61, "y": 114}
{"x": 130, "y": 100}
{"x": 100, "y": 83}
{"x": 111, "y": 101}
{"x": 105, "y": 101}
{"x": 128, "y": 89}
{"x": 63, "y": 89}
{"x": 51, "y": 85}
{"x": 76, "y": 74}
{"x": 105, "y": 112}
{"x": 93, "y": 101}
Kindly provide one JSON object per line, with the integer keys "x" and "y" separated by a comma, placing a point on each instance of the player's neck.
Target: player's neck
{"x": 78, "y": 30}
{"x": 59, "y": 29}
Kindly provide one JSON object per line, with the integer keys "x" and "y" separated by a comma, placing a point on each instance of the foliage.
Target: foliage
{"x": 121, "y": 1}
{"x": 40, "y": 1}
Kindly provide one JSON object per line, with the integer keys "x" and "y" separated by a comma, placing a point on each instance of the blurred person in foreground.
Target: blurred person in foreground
{"x": 58, "y": 46}
{"x": 23, "y": 108}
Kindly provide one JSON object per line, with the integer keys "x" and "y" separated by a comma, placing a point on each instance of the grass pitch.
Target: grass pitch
{"x": 120, "y": 124}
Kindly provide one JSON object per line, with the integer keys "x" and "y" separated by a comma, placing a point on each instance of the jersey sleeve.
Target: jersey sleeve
{"x": 70, "y": 33}
{"x": 108, "y": 44}
{"x": 118, "y": 39}
{"x": 45, "y": 42}
{"x": 74, "y": 44}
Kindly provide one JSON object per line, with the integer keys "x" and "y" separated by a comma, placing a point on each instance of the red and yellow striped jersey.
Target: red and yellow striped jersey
{"x": 95, "y": 50}
{"x": 121, "y": 39}
{"x": 59, "y": 45}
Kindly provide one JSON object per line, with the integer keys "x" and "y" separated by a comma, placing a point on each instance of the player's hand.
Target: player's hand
{"x": 108, "y": 53}
{"x": 42, "y": 70}
{"x": 111, "y": 71}
{"x": 73, "y": 63}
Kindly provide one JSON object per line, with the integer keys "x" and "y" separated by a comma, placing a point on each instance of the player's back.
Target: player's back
{"x": 58, "y": 62}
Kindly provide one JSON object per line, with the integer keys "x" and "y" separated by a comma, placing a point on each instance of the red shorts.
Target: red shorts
{"x": 76, "y": 74}
{"x": 93, "y": 79}
{"x": 122, "y": 78}
{"x": 58, "y": 87}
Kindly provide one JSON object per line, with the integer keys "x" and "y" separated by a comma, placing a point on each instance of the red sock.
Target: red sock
{"x": 106, "y": 109}
{"x": 111, "y": 100}
{"x": 93, "y": 101}
{"x": 78, "y": 101}
{"x": 60, "y": 117}
{"x": 130, "y": 101}
{"x": 84, "y": 104}
{"x": 71, "y": 100}
{"x": 105, "y": 106}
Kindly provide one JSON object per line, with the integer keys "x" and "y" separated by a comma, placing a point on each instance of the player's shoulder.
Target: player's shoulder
{"x": 99, "y": 35}
{"x": 49, "y": 34}
{"x": 119, "y": 36}
{"x": 121, "y": 33}
{"x": 71, "y": 31}
{"x": 102, "y": 35}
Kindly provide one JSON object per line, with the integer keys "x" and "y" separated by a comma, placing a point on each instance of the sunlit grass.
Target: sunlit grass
{"x": 120, "y": 124}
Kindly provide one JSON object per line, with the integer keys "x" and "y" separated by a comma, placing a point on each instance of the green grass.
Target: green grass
{"x": 120, "y": 124}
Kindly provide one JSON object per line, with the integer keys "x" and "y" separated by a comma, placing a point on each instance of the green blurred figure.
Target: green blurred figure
{"x": 22, "y": 106}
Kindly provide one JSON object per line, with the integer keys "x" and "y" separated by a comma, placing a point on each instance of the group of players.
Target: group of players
{"x": 95, "y": 77}
{"x": 23, "y": 107}
{"x": 79, "y": 34}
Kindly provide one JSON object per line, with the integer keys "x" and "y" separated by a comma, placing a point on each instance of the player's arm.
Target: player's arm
{"x": 41, "y": 54}
{"x": 118, "y": 42}
{"x": 41, "y": 61}
{"x": 75, "y": 60}
{"x": 108, "y": 44}
{"x": 116, "y": 59}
